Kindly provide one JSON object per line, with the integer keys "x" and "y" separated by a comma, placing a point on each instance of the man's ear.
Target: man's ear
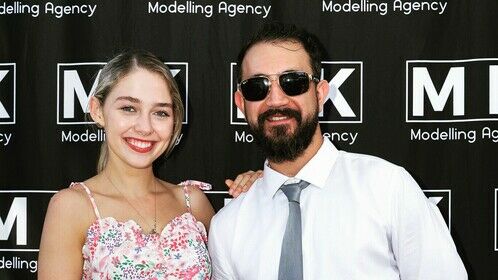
{"x": 239, "y": 100}
{"x": 322, "y": 91}
{"x": 96, "y": 111}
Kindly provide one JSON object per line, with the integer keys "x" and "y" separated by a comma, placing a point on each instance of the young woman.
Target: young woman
{"x": 125, "y": 223}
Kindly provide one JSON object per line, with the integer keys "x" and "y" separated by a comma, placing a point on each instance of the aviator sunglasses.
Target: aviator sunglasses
{"x": 293, "y": 83}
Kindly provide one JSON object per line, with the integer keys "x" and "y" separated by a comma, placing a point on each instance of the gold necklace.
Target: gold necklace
{"x": 153, "y": 230}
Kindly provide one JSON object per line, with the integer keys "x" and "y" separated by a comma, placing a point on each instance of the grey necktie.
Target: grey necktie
{"x": 291, "y": 256}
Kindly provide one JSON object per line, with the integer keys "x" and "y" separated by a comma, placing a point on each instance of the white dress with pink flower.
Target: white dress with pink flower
{"x": 120, "y": 250}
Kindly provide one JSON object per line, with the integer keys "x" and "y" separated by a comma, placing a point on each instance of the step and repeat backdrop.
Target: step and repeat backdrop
{"x": 413, "y": 81}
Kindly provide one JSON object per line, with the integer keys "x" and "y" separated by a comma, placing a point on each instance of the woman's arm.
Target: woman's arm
{"x": 63, "y": 236}
{"x": 201, "y": 207}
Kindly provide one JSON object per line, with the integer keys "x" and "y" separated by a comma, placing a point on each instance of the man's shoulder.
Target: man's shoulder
{"x": 231, "y": 209}
{"x": 229, "y": 213}
{"x": 368, "y": 161}
{"x": 377, "y": 171}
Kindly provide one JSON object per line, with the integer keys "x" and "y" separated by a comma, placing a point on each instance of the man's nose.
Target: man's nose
{"x": 276, "y": 96}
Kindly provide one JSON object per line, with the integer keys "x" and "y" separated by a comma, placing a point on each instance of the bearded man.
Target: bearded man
{"x": 319, "y": 213}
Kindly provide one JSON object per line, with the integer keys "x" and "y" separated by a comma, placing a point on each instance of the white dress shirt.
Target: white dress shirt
{"x": 362, "y": 218}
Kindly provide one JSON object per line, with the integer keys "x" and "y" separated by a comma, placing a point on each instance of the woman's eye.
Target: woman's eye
{"x": 128, "y": 109}
{"x": 162, "y": 114}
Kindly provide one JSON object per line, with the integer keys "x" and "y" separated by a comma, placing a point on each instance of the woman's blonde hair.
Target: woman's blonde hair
{"x": 122, "y": 65}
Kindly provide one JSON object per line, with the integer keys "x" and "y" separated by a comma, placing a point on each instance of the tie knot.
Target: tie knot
{"x": 293, "y": 191}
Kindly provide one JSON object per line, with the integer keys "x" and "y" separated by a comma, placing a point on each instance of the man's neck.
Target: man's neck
{"x": 291, "y": 168}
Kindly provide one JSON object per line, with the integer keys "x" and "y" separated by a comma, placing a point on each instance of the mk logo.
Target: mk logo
{"x": 472, "y": 85}
{"x": 77, "y": 81}
{"x": 442, "y": 199}
{"x": 343, "y": 103}
{"x": 17, "y": 211}
{"x": 21, "y": 218}
{"x": 7, "y": 93}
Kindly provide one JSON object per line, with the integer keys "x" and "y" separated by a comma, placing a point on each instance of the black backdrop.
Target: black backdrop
{"x": 415, "y": 82}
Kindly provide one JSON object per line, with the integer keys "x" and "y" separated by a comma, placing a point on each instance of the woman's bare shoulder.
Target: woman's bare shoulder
{"x": 72, "y": 195}
{"x": 71, "y": 204}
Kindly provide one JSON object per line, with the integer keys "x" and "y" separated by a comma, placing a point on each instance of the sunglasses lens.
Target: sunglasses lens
{"x": 294, "y": 83}
{"x": 255, "y": 89}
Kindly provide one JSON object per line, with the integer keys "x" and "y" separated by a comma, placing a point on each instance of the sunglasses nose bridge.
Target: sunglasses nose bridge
{"x": 273, "y": 77}
{"x": 275, "y": 96}
{"x": 273, "y": 80}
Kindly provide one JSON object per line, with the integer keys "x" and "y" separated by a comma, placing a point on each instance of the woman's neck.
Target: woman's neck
{"x": 133, "y": 181}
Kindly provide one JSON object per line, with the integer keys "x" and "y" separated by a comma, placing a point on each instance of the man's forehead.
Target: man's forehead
{"x": 275, "y": 57}
{"x": 277, "y": 46}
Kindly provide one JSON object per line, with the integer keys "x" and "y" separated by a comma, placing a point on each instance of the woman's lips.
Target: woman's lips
{"x": 140, "y": 146}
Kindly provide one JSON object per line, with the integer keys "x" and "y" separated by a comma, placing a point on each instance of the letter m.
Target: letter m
{"x": 422, "y": 82}
{"x": 72, "y": 87}
{"x": 17, "y": 211}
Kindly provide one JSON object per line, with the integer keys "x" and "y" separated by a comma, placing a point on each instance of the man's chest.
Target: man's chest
{"x": 334, "y": 237}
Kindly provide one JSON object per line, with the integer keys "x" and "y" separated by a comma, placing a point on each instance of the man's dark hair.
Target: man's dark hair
{"x": 281, "y": 32}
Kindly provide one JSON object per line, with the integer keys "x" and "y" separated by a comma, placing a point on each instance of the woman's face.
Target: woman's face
{"x": 138, "y": 118}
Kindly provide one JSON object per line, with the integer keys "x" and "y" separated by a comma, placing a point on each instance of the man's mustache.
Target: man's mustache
{"x": 284, "y": 112}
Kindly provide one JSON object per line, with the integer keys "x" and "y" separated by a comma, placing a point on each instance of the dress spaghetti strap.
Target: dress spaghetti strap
{"x": 90, "y": 196}
{"x": 186, "y": 191}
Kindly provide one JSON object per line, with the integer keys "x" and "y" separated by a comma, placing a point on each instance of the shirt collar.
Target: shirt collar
{"x": 316, "y": 171}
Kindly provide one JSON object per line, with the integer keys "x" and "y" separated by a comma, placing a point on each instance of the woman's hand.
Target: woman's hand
{"x": 243, "y": 182}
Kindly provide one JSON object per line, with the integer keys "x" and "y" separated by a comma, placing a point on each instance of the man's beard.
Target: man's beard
{"x": 280, "y": 145}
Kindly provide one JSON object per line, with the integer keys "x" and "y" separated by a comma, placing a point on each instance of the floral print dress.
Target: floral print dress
{"x": 120, "y": 250}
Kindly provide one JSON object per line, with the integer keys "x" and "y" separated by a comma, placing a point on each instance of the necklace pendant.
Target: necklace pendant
{"x": 153, "y": 231}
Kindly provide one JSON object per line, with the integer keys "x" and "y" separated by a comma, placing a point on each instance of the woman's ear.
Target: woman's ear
{"x": 96, "y": 111}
